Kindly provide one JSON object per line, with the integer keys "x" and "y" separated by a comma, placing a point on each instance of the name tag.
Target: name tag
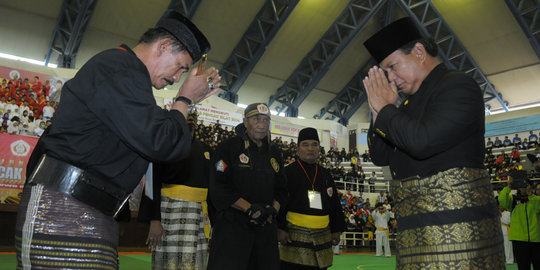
{"x": 315, "y": 201}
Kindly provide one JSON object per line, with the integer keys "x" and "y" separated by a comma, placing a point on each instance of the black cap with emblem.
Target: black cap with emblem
{"x": 186, "y": 32}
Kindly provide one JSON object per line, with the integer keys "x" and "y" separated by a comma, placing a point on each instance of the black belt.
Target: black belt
{"x": 95, "y": 191}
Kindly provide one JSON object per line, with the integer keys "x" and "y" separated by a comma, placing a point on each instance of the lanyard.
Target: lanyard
{"x": 314, "y": 178}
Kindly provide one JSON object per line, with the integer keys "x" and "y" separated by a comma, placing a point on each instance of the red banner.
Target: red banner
{"x": 15, "y": 151}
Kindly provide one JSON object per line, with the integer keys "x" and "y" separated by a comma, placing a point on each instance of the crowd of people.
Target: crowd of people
{"x": 517, "y": 142}
{"x": 499, "y": 165}
{"x": 26, "y": 107}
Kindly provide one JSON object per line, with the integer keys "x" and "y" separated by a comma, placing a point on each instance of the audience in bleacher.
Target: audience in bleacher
{"x": 24, "y": 105}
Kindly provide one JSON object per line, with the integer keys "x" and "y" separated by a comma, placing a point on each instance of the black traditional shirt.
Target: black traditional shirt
{"x": 440, "y": 127}
{"x": 109, "y": 124}
{"x": 298, "y": 185}
{"x": 243, "y": 170}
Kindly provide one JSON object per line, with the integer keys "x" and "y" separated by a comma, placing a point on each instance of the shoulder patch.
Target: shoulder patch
{"x": 221, "y": 166}
{"x": 207, "y": 155}
{"x": 275, "y": 165}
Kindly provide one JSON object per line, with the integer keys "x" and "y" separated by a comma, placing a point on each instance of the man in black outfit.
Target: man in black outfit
{"x": 247, "y": 188}
{"x": 106, "y": 131}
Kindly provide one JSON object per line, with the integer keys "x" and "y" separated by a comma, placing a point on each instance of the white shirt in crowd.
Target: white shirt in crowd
{"x": 48, "y": 112}
{"x": 13, "y": 128}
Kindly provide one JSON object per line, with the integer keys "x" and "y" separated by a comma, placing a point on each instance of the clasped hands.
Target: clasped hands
{"x": 260, "y": 213}
{"x": 379, "y": 90}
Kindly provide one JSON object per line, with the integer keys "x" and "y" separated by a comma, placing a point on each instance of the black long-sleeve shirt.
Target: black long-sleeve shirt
{"x": 298, "y": 185}
{"x": 440, "y": 127}
{"x": 243, "y": 170}
{"x": 109, "y": 124}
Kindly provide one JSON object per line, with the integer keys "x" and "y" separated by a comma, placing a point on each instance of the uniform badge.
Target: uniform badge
{"x": 207, "y": 155}
{"x": 243, "y": 158}
{"x": 262, "y": 109}
{"x": 275, "y": 165}
{"x": 221, "y": 166}
{"x": 246, "y": 144}
{"x": 330, "y": 192}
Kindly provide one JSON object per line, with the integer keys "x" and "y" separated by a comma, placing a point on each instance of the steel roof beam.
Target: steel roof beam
{"x": 527, "y": 13}
{"x": 69, "y": 31}
{"x": 317, "y": 62}
{"x": 252, "y": 46}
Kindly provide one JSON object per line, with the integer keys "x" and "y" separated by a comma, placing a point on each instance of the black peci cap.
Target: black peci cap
{"x": 391, "y": 38}
{"x": 186, "y": 32}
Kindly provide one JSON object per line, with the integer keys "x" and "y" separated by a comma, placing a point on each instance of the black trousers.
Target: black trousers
{"x": 526, "y": 253}
{"x": 237, "y": 244}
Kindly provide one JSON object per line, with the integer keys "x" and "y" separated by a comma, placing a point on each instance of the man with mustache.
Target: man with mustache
{"x": 312, "y": 220}
{"x": 247, "y": 188}
{"x": 106, "y": 131}
{"x": 434, "y": 144}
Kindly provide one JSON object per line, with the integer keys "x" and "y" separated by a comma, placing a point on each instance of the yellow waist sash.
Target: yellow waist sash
{"x": 191, "y": 194}
{"x": 308, "y": 221}
{"x": 186, "y": 193}
{"x": 507, "y": 227}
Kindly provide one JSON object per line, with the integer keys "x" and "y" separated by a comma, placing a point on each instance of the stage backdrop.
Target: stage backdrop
{"x": 15, "y": 151}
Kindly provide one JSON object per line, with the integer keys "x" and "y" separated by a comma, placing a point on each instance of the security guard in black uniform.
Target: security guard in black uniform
{"x": 247, "y": 188}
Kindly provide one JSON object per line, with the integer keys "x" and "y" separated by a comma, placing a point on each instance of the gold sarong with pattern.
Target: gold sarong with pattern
{"x": 448, "y": 221}
{"x": 310, "y": 246}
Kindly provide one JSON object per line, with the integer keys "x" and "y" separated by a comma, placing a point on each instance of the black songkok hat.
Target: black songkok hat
{"x": 391, "y": 38}
{"x": 186, "y": 32}
{"x": 256, "y": 108}
{"x": 308, "y": 134}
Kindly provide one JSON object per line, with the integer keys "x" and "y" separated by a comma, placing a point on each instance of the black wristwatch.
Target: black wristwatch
{"x": 186, "y": 100}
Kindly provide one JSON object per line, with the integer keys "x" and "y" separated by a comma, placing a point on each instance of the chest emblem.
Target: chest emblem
{"x": 275, "y": 165}
{"x": 330, "y": 192}
{"x": 243, "y": 158}
{"x": 207, "y": 155}
{"x": 221, "y": 166}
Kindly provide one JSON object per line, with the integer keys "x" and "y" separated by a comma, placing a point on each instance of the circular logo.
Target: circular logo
{"x": 20, "y": 148}
{"x": 262, "y": 109}
{"x": 14, "y": 73}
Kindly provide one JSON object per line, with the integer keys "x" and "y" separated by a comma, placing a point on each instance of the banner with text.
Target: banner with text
{"x": 285, "y": 129}
{"x": 15, "y": 151}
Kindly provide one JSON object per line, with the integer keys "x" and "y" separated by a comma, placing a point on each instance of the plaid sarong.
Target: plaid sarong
{"x": 56, "y": 231}
{"x": 310, "y": 247}
{"x": 185, "y": 245}
{"x": 448, "y": 221}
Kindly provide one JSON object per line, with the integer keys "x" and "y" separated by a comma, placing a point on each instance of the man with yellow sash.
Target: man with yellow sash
{"x": 381, "y": 217}
{"x": 313, "y": 219}
{"x": 179, "y": 224}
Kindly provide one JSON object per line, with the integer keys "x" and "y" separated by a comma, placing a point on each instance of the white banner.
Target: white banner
{"x": 212, "y": 115}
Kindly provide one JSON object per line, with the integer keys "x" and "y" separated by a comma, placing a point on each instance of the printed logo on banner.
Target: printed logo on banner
{"x": 20, "y": 148}
{"x": 243, "y": 158}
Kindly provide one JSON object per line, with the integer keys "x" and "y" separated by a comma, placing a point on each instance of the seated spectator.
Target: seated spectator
{"x": 516, "y": 140}
{"x": 506, "y": 141}
{"x": 497, "y": 143}
{"x": 489, "y": 143}
{"x": 39, "y": 130}
{"x": 48, "y": 111}
{"x": 515, "y": 154}
{"x": 533, "y": 139}
{"x": 13, "y": 127}
{"x": 525, "y": 144}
